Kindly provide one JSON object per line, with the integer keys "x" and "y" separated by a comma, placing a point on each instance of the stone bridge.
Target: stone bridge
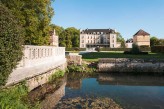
{"x": 37, "y": 64}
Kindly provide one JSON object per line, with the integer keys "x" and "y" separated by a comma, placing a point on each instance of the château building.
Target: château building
{"x": 91, "y": 38}
{"x": 141, "y": 38}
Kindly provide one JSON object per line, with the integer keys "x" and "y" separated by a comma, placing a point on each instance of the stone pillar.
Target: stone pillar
{"x": 54, "y": 39}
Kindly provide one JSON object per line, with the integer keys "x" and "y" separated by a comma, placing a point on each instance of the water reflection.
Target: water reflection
{"x": 74, "y": 83}
{"x": 115, "y": 79}
{"x": 49, "y": 94}
{"x": 132, "y": 92}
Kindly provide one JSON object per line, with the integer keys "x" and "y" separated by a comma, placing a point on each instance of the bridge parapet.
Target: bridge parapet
{"x": 35, "y": 55}
{"x": 38, "y": 60}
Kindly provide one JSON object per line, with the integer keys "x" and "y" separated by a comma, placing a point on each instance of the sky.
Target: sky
{"x": 126, "y": 16}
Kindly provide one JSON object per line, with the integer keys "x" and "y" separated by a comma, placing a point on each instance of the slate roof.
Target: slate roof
{"x": 98, "y": 30}
{"x": 141, "y": 32}
{"x": 129, "y": 40}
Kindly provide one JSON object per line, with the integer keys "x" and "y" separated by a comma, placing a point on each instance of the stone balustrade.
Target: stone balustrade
{"x": 34, "y": 55}
{"x": 38, "y": 60}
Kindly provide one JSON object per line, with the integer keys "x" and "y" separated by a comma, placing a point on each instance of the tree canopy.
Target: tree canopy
{"x": 155, "y": 41}
{"x": 68, "y": 37}
{"x": 34, "y": 16}
{"x": 121, "y": 39}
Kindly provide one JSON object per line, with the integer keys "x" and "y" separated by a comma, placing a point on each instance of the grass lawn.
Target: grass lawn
{"x": 93, "y": 56}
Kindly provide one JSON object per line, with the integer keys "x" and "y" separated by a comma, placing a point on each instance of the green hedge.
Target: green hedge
{"x": 75, "y": 49}
{"x": 11, "y": 41}
{"x": 157, "y": 49}
{"x": 115, "y": 49}
{"x": 125, "y": 49}
{"x": 144, "y": 48}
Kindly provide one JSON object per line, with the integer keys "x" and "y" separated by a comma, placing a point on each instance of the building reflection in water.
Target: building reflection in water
{"x": 74, "y": 83}
{"x": 113, "y": 79}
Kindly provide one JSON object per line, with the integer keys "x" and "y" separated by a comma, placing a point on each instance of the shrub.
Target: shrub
{"x": 115, "y": 49}
{"x": 75, "y": 49}
{"x": 97, "y": 49}
{"x": 135, "y": 49}
{"x": 157, "y": 49}
{"x": 127, "y": 52}
{"x": 11, "y": 40}
{"x": 12, "y": 98}
{"x": 144, "y": 48}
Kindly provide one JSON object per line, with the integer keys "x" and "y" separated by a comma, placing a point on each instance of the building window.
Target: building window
{"x": 88, "y": 41}
{"x": 82, "y": 41}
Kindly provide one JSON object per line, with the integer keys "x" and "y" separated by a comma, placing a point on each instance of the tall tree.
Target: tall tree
{"x": 154, "y": 41}
{"x": 68, "y": 37}
{"x": 120, "y": 39}
{"x": 58, "y": 29}
{"x": 74, "y": 36}
{"x": 34, "y": 16}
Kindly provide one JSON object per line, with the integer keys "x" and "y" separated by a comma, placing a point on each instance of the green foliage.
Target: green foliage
{"x": 135, "y": 49}
{"x": 121, "y": 39}
{"x": 115, "y": 49}
{"x": 75, "y": 49}
{"x": 34, "y": 16}
{"x": 68, "y": 37}
{"x": 154, "y": 41}
{"x": 14, "y": 97}
{"x": 56, "y": 74}
{"x": 157, "y": 49}
{"x": 81, "y": 68}
{"x": 11, "y": 41}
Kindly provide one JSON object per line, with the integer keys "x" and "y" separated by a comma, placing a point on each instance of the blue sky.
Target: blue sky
{"x": 126, "y": 16}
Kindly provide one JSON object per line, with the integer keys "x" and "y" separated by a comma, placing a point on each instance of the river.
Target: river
{"x": 130, "y": 92}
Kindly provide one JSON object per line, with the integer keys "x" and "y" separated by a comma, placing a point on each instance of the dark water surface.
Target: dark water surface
{"x": 131, "y": 92}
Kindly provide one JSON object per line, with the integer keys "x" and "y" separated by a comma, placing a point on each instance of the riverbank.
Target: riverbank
{"x": 16, "y": 97}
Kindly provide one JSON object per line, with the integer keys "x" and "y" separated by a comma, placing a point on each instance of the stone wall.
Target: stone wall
{"x": 130, "y": 65}
{"x": 38, "y": 80}
{"x": 75, "y": 59}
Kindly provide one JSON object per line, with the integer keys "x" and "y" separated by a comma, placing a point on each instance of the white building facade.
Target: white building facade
{"x": 91, "y": 38}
